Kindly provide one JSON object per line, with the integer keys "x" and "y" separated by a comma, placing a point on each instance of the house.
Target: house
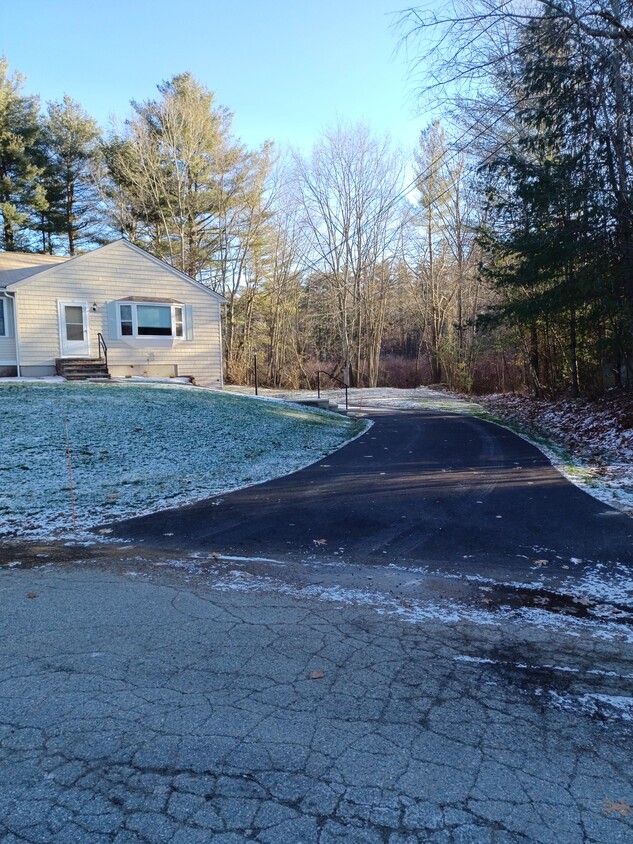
{"x": 61, "y": 315}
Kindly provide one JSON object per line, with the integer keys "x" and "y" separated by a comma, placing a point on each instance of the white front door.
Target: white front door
{"x": 73, "y": 329}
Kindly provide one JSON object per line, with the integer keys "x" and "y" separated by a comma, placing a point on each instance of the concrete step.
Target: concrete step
{"x": 80, "y": 369}
{"x": 323, "y": 404}
{"x": 87, "y": 368}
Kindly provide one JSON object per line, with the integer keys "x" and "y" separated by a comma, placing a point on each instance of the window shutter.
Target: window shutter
{"x": 188, "y": 322}
{"x": 113, "y": 321}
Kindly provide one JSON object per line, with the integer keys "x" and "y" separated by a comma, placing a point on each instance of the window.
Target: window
{"x": 178, "y": 322}
{"x": 74, "y": 322}
{"x": 154, "y": 320}
{"x": 127, "y": 325}
{"x": 6, "y": 317}
{"x": 148, "y": 319}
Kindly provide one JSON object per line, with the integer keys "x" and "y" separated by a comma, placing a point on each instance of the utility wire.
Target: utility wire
{"x": 445, "y": 159}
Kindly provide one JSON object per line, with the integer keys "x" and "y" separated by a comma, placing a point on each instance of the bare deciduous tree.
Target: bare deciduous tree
{"x": 349, "y": 193}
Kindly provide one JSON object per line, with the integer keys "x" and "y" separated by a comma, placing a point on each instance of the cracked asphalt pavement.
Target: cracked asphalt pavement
{"x": 165, "y": 691}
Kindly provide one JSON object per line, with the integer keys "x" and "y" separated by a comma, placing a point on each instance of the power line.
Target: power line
{"x": 442, "y": 158}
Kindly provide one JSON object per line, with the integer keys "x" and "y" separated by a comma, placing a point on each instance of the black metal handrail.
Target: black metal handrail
{"x": 334, "y": 378}
{"x": 102, "y": 345}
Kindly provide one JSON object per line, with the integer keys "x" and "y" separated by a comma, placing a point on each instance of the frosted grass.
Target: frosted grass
{"x": 137, "y": 449}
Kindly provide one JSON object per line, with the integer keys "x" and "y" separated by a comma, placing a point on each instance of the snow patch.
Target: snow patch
{"x": 609, "y": 707}
{"x": 599, "y": 583}
{"x": 477, "y": 660}
{"x": 591, "y": 443}
{"x": 445, "y": 612}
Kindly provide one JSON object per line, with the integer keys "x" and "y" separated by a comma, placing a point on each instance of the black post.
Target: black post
{"x": 255, "y": 363}
{"x": 318, "y": 384}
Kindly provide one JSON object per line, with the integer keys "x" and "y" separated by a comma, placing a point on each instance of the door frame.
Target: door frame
{"x": 73, "y": 348}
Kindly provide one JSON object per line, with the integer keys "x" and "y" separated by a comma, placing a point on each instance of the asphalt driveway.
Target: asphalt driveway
{"x": 446, "y": 490}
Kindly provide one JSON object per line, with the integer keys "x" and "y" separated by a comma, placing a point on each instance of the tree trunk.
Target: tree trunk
{"x": 573, "y": 355}
{"x": 535, "y": 362}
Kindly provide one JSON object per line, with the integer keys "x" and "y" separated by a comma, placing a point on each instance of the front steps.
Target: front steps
{"x": 82, "y": 369}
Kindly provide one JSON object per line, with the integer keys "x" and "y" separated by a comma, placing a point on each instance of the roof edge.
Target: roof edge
{"x": 117, "y": 243}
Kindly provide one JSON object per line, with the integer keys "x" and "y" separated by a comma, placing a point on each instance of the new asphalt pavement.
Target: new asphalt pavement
{"x": 420, "y": 487}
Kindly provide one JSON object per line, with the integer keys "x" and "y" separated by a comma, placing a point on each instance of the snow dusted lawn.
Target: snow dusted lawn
{"x": 137, "y": 449}
{"x": 364, "y": 398}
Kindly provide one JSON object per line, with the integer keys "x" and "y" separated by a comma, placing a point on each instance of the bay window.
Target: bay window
{"x": 150, "y": 319}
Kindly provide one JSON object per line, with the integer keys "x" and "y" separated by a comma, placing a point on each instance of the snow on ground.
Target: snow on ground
{"x": 363, "y": 398}
{"x": 410, "y": 609}
{"x": 605, "y": 707}
{"x": 140, "y": 448}
{"x": 596, "y": 583}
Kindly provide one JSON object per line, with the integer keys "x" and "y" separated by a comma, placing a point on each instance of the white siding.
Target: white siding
{"x": 7, "y": 351}
{"x": 110, "y": 274}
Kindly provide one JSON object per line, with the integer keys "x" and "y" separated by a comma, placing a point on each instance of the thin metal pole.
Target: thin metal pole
{"x": 318, "y": 384}
{"x": 255, "y": 362}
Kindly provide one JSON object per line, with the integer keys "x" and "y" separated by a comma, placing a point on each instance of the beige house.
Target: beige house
{"x": 68, "y": 315}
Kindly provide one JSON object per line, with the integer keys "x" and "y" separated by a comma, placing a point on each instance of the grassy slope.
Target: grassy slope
{"x": 138, "y": 448}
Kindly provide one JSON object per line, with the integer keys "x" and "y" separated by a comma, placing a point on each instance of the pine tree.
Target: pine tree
{"x": 71, "y": 147}
{"x": 552, "y": 238}
{"x": 22, "y": 197}
{"x": 176, "y": 174}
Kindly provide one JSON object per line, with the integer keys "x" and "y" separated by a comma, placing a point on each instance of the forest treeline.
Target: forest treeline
{"x": 499, "y": 256}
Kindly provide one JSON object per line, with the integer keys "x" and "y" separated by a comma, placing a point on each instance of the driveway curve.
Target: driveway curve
{"x": 420, "y": 487}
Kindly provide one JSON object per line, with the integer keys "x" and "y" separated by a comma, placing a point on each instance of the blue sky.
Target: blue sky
{"x": 286, "y": 68}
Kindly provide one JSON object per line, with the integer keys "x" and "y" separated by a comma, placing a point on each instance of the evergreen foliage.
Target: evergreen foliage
{"x": 22, "y": 195}
{"x": 558, "y": 241}
{"x": 70, "y": 139}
